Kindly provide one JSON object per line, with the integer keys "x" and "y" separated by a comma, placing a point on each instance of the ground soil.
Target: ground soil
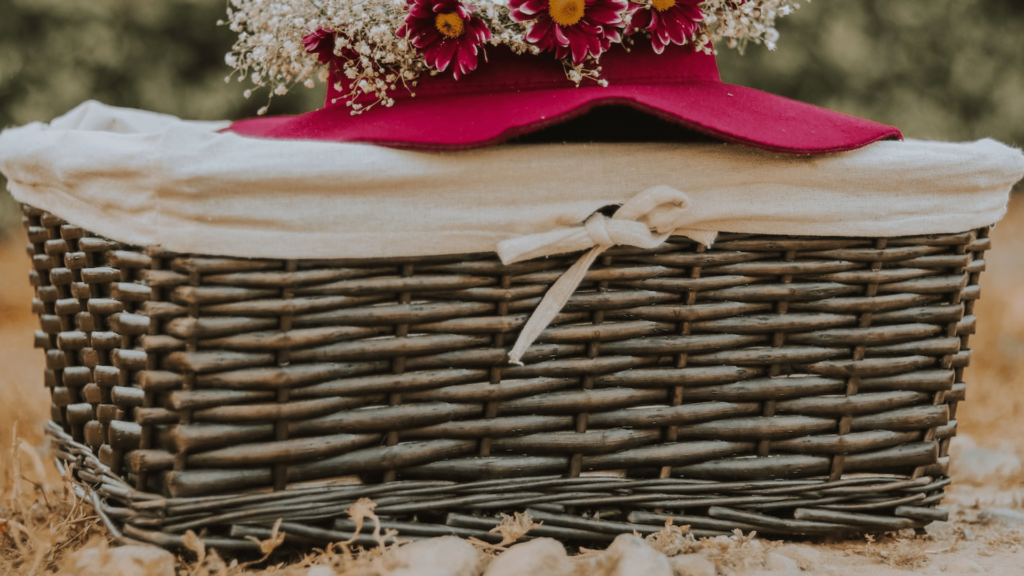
{"x": 993, "y": 417}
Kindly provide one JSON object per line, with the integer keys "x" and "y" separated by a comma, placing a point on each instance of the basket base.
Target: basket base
{"x": 591, "y": 510}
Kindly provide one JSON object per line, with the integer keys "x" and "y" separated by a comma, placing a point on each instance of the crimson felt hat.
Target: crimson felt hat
{"x": 513, "y": 95}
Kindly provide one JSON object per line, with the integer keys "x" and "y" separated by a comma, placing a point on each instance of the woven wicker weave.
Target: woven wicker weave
{"x": 788, "y": 385}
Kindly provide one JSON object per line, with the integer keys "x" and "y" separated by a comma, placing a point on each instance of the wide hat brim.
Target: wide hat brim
{"x": 513, "y": 95}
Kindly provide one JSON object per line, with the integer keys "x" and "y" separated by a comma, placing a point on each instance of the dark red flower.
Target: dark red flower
{"x": 668, "y": 21}
{"x": 320, "y": 43}
{"x": 571, "y": 27}
{"x": 446, "y": 31}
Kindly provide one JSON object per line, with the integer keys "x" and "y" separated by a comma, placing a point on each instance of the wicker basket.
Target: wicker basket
{"x": 793, "y": 386}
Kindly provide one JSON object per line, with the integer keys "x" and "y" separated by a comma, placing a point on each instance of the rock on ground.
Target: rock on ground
{"x": 941, "y": 530}
{"x": 692, "y": 565}
{"x": 444, "y": 556}
{"x": 122, "y": 561}
{"x": 632, "y": 556}
{"x": 1002, "y": 516}
{"x": 540, "y": 557}
{"x": 779, "y": 563}
{"x": 973, "y": 465}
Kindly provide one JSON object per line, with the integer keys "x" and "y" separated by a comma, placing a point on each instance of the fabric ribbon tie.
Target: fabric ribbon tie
{"x": 645, "y": 221}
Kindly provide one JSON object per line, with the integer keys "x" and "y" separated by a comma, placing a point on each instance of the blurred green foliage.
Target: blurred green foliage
{"x": 938, "y": 69}
{"x": 163, "y": 55}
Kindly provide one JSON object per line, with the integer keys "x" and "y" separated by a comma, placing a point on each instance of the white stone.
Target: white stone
{"x": 1002, "y": 516}
{"x": 632, "y": 556}
{"x": 540, "y": 557}
{"x": 806, "y": 558}
{"x": 971, "y": 464}
{"x": 692, "y": 565}
{"x": 444, "y": 556}
{"x": 122, "y": 561}
{"x": 941, "y": 530}
{"x": 321, "y": 571}
{"x": 778, "y": 563}
{"x": 961, "y": 565}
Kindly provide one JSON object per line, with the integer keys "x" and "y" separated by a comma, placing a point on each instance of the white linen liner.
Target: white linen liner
{"x": 150, "y": 179}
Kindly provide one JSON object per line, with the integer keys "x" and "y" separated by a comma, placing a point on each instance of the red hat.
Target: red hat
{"x": 513, "y": 95}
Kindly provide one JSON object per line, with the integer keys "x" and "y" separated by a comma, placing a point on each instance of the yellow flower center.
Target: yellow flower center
{"x": 567, "y": 12}
{"x": 451, "y": 25}
{"x": 662, "y": 5}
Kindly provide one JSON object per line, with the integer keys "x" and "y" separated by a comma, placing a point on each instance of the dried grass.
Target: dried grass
{"x": 734, "y": 553}
{"x": 673, "y": 540}
{"x": 41, "y": 519}
{"x": 900, "y": 552}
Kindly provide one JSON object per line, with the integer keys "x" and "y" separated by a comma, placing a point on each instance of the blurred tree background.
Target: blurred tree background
{"x": 938, "y": 69}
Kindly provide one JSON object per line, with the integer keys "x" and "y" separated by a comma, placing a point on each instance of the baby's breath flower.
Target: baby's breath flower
{"x": 375, "y": 63}
{"x": 742, "y": 23}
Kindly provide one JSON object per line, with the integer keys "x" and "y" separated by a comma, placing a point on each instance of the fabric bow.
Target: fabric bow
{"x": 645, "y": 221}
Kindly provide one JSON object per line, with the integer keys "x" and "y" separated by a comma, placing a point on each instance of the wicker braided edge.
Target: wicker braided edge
{"x": 316, "y": 516}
